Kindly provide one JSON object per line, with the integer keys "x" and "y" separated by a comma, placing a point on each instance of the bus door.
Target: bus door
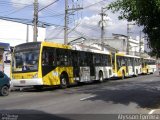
{"x": 133, "y": 65}
{"x": 127, "y": 65}
{"x": 84, "y": 67}
{"x": 130, "y": 67}
{"x": 75, "y": 63}
{"x": 91, "y": 60}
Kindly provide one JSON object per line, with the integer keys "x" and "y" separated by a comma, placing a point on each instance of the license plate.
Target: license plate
{"x": 22, "y": 81}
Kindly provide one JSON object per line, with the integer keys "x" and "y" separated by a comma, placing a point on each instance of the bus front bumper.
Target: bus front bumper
{"x": 26, "y": 82}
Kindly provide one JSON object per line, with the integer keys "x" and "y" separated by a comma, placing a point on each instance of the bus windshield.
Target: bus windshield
{"x": 25, "y": 61}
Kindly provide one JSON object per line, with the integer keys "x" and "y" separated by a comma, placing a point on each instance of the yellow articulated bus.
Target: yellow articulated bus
{"x": 126, "y": 65}
{"x": 148, "y": 65}
{"x": 47, "y": 64}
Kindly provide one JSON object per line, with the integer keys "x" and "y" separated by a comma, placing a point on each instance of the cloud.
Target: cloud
{"x": 95, "y": 5}
{"x": 89, "y": 23}
{"x": 90, "y": 27}
{"x": 41, "y": 2}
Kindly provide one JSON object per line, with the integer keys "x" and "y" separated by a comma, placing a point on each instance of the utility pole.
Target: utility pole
{"x": 128, "y": 31}
{"x": 35, "y": 21}
{"x": 127, "y": 49}
{"x": 27, "y": 34}
{"x": 102, "y": 26}
{"x": 66, "y": 23}
{"x": 67, "y": 10}
{"x": 140, "y": 42}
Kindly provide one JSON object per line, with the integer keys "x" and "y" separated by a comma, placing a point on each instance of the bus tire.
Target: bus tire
{"x": 63, "y": 81}
{"x": 101, "y": 79}
{"x": 4, "y": 91}
{"x": 123, "y": 75}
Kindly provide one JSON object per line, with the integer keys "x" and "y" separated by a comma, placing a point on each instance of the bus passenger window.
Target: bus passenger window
{"x": 45, "y": 58}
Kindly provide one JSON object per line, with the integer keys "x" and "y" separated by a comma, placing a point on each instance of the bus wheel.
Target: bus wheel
{"x": 101, "y": 79}
{"x": 63, "y": 81}
{"x": 4, "y": 91}
{"x": 123, "y": 75}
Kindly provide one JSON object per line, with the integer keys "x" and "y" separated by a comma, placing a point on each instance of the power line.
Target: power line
{"x": 55, "y": 15}
{"x": 28, "y": 21}
{"x": 67, "y": 10}
{"x": 74, "y": 28}
{"x": 7, "y": 11}
{"x": 58, "y": 15}
{"x": 48, "y": 5}
{"x": 81, "y": 33}
{"x": 62, "y": 14}
{"x": 61, "y": 30}
{"x": 86, "y": 7}
{"x": 18, "y": 10}
{"x": 51, "y": 12}
{"x": 11, "y": 3}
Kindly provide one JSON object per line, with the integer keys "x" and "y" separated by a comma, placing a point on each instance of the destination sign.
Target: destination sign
{"x": 28, "y": 46}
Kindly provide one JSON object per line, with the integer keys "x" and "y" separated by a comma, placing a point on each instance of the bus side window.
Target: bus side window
{"x": 44, "y": 58}
{"x": 123, "y": 61}
{"x": 118, "y": 62}
{"x": 74, "y": 57}
{"x": 62, "y": 57}
{"x": 59, "y": 57}
{"x": 98, "y": 59}
{"x": 110, "y": 60}
{"x": 48, "y": 57}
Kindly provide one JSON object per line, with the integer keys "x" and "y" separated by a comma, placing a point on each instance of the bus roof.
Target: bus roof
{"x": 123, "y": 54}
{"x": 57, "y": 45}
{"x": 63, "y": 46}
{"x": 86, "y": 48}
{"x": 149, "y": 58}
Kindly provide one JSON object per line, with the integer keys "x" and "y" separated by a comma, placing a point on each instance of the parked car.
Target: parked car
{"x": 4, "y": 84}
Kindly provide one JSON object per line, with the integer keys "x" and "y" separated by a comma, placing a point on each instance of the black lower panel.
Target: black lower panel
{"x": 47, "y": 69}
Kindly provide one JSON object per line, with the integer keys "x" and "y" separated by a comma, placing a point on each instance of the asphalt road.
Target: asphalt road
{"x": 138, "y": 95}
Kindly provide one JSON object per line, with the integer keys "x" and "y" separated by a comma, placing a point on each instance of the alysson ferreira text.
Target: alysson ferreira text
{"x": 138, "y": 117}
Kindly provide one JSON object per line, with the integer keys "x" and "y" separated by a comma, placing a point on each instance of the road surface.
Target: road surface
{"x": 137, "y": 95}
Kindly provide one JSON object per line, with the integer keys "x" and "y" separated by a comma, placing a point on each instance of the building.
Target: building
{"x": 116, "y": 43}
{"x": 14, "y": 33}
{"x": 119, "y": 42}
{"x": 83, "y": 44}
{"x": 3, "y": 47}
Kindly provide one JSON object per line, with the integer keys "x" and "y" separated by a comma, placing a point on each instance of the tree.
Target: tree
{"x": 145, "y": 13}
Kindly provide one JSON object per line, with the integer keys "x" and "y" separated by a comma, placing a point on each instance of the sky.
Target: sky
{"x": 82, "y": 22}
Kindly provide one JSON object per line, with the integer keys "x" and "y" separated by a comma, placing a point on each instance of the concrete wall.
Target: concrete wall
{"x": 119, "y": 44}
